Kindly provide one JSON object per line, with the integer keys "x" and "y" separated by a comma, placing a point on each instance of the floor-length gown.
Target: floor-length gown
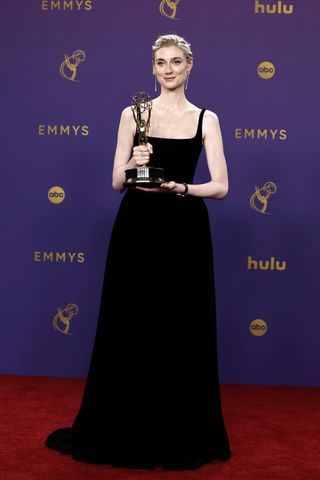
{"x": 152, "y": 392}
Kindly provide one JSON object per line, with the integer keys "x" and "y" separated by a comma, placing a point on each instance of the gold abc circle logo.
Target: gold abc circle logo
{"x": 56, "y": 195}
{"x": 266, "y": 70}
{"x": 258, "y": 327}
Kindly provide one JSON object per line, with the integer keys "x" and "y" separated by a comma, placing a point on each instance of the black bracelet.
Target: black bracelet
{"x": 186, "y": 189}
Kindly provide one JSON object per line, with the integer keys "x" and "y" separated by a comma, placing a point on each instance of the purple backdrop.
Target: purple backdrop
{"x": 59, "y": 122}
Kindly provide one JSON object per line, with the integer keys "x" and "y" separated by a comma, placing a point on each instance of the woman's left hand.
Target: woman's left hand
{"x": 164, "y": 187}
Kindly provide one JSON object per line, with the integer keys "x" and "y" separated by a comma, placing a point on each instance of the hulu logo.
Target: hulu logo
{"x": 278, "y": 7}
{"x": 271, "y": 264}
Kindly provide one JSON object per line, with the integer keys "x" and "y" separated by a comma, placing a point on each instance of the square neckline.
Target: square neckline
{"x": 172, "y": 138}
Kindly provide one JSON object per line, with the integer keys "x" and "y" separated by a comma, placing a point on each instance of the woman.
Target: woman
{"x": 152, "y": 392}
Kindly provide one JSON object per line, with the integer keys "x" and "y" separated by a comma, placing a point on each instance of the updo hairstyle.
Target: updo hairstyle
{"x": 172, "y": 40}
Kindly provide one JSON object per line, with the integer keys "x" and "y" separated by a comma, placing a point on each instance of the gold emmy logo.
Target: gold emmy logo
{"x": 56, "y": 195}
{"x": 62, "y": 319}
{"x": 266, "y": 70}
{"x": 258, "y": 327}
{"x": 278, "y": 7}
{"x": 260, "y": 198}
{"x": 68, "y": 68}
{"x": 172, "y": 6}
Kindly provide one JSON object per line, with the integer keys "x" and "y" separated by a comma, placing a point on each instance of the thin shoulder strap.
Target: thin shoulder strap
{"x": 199, "y": 129}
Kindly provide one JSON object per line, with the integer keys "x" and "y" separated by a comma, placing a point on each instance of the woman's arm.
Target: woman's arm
{"x": 218, "y": 185}
{"x": 123, "y": 149}
{"x": 124, "y": 158}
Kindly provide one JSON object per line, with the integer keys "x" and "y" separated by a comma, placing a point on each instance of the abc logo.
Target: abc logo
{"x": 266, "y": 70}
{"x": 258, "y": 327}
{"x": 56, "y": 195}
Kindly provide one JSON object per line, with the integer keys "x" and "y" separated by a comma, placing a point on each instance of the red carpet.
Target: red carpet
{"x": 274, "y": 434}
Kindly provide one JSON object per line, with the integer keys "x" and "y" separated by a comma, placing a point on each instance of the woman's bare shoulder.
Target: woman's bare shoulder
{"x": 210, "y": 121}
{"x": 126, "y": 113}
{"x": 211, "y": 124}
{"x": 127, "y": 118}
{"x": 211, "y": 115}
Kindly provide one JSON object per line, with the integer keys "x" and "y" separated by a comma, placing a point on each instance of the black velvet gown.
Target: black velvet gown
{"x": 152, "y": 392}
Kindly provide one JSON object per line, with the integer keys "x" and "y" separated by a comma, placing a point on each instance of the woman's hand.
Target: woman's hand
{"x": 141, "y": 155}
{"x": 165, "y": 187}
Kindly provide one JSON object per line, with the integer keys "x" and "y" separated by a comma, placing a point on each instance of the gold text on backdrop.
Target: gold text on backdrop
{"x": 259, "y": 134}
{"x": 278, "y": 7}
{"x": 66, "y": 5}
{"x": 59, "y": 257}
{"x": 61, "y": 130}
{"x": 267, "y": 265}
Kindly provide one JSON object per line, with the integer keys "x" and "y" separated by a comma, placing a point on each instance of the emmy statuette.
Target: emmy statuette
{"x": 146, "y": 176}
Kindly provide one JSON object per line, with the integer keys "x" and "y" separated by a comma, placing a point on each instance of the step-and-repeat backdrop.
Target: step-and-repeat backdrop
{"x": 68, "y": 68}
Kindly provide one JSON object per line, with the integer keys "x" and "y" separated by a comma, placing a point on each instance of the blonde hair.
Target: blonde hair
{"x": 168, "y": 41}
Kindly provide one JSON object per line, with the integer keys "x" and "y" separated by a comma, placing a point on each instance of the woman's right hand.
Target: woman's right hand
{"x": 141, "y": 155}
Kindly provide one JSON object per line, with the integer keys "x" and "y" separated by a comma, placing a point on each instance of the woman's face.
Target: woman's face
{"x": 171, "y": 67}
